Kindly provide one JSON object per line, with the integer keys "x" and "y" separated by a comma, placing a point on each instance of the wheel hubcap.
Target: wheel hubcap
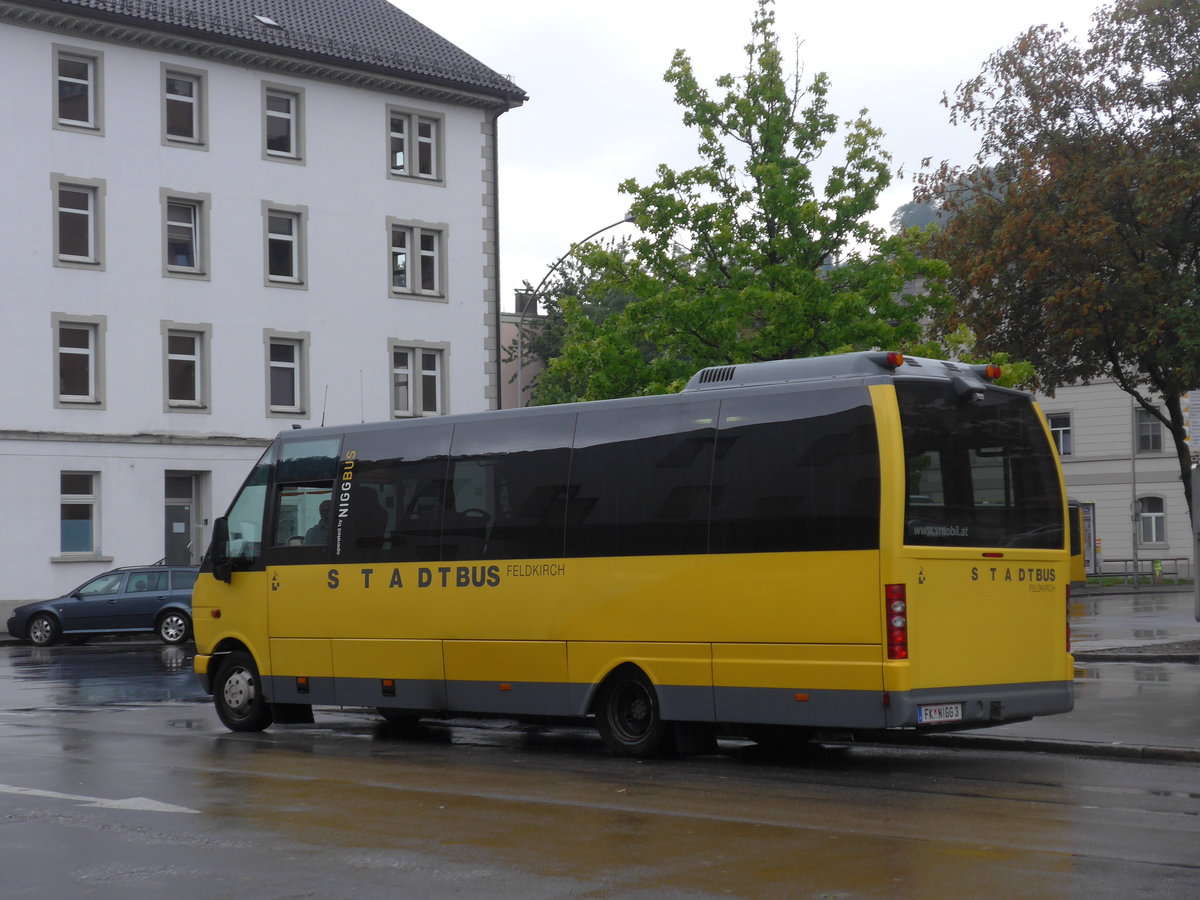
{"x": 239, "y": 691}
{"x": 172, "y": 628}
{"x": 40, "y": 631}
{"x": 633, "y": 712}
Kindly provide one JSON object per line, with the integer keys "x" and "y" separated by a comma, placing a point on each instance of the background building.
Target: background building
{"x": 1119, "y": 463}
{"x": 220, "y": 218}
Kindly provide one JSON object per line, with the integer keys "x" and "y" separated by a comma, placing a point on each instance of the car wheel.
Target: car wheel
{"x": 44, "y": 630}
{"x": 627, "y": 716}
{"x": 237, "y": 693}
{"x": 174, "y": 627}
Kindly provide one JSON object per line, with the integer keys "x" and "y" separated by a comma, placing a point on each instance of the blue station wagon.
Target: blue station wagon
{"x": 132, "y": 599}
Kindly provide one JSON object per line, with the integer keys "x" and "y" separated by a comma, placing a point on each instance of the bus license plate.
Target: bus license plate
{"x": 943, "y": 712}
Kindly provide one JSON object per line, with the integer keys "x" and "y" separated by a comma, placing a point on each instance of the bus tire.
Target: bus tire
{"x": 627, "y": 716}
{"x": 237, "y": 693}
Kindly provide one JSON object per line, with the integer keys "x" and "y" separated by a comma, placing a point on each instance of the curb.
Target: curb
{"x": 1047, "y": 745}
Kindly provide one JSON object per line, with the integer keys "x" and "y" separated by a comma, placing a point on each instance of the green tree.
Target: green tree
{"x": 743, "y": 257}
{"x": 1077, "y": 245}
{"x": 576, "y": 280}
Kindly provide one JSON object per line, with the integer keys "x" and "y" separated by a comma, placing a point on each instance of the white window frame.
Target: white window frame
{"x": 294, "y": 116}
{"x": 94, "y": 60}
{"x": 297, "y": 239}
{"x": 198, "y": 103}
{"x": 416, "y": 146}
{"x": 1152, "y": 525}
{"x": 1062, "y": 433}
{"x": 93, "y": 190}
{"x": 91, "y": 500}
{"x": 198, "y": 206}
{"x": 1149, "y": 432}
{"x": 298, "y": 365}
{"x": 415, "y": 236}
{"x": 94, "y": 327}
{"x": 201, "y": 335}
{"x": 424, "y": 367}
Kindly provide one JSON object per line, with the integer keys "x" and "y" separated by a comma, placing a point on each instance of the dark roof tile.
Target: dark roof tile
{"x": 367, "y": 34}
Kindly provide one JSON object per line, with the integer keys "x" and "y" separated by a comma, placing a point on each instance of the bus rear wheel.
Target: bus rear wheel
{"x": 628, "y": 719}
{"x": 237, "y": 693}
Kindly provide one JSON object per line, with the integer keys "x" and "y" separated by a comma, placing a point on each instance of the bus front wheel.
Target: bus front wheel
{"x": 238, "y": 694}
{"x": 627, "y": 716}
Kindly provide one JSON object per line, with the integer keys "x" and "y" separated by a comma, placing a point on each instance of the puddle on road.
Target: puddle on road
{"x": 106, "y": 673}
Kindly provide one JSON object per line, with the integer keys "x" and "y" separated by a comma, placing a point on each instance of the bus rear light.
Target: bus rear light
{"x": 895, "y": 360}
{"x": 896, "y": 596}
{"x": 215, "y": 613}
{"x": 991, "y": 373}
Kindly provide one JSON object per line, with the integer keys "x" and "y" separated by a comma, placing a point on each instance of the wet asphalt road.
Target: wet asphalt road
{"x": 117, "y": 780}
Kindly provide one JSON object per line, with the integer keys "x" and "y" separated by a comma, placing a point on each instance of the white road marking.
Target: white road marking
{"x": 139, "y": 803}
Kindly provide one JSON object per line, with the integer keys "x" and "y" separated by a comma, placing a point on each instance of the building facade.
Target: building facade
{"x": 221, "y": 219}
{"x": 1120, "y": 466}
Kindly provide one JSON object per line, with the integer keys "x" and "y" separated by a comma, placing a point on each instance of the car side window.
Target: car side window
{"x": 105, "y": 584}
{"x": 143, "y": 582}
{"x": 182, "y": 581}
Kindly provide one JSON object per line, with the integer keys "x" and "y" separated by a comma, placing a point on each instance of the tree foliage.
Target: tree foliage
{"x": 576, "y": 280}
{"x": 744, "y": 257}
{"x": 1074, "y": 242}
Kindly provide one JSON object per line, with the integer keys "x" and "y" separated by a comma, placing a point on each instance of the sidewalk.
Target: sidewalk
{"x": 1137, "y": 677}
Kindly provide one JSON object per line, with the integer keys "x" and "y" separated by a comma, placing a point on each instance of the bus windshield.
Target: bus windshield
{"x": 979, "y": 474}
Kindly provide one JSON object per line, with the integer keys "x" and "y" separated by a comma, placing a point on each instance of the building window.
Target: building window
{"x": 282, "y": 134}
{"x": 77, "y": 90}
{"x": 1060, "y": 429}
{"x": 185, "y": 228}
{"x": 77, "y": 512}
{"x": 414, "y": 145}
{"x": 183, "y": 107}
{"x": 78, "y": 222}
{"x": 1152, "y": 521}
{"x": 78, "y": 354}
{"x": 416, "y": 259}
{"x": 186, "y": 366}
{"x": 1149, "y": 433}
{"x": 285, "y": 245}
{"x": 287, "y": 378}
{"x": 417, "y": 381}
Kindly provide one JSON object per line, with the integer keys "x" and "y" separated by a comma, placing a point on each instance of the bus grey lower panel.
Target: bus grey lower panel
{"x": 286, "y": 689}
{"x": 401, "y": 693}
{"x": 988, "y": 704}
{"x": 813, "y": 708}
{"x": 517, "y": 698}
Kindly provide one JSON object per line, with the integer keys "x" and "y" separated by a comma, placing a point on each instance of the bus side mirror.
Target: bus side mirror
{"x": 222, "y": 565}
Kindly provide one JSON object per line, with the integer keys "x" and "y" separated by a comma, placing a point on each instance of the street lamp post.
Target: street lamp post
{"x": 527, "y": 299}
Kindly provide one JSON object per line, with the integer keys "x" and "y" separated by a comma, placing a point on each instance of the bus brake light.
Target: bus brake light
{"x": 896, "y": 597}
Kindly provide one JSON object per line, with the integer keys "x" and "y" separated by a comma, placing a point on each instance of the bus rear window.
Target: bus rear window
{"x": 977, "y": 474}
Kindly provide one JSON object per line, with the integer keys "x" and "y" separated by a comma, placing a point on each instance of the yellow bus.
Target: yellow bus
{"x": 851, "y": 543}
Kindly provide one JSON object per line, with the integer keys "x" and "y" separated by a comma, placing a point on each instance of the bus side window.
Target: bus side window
{"x": 508, "y": 484}
{"x": 640, "y": 479}
{"x": 393, "y": 511}
{"x": 797, "y": 470}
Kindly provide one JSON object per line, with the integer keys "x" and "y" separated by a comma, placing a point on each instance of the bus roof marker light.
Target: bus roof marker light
{"x": 895, "y": 360}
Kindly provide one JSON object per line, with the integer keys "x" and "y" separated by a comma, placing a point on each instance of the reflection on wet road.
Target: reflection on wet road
{"x": 105, "y": 672}
{"x": 346, "y": 807}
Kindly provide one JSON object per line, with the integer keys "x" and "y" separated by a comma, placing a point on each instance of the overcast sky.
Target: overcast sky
{"x": 599, "y": 111}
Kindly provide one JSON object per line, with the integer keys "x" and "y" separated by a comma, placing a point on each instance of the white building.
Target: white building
{"x": 1119, "y": 464}
{"x": 220, "y": 218}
